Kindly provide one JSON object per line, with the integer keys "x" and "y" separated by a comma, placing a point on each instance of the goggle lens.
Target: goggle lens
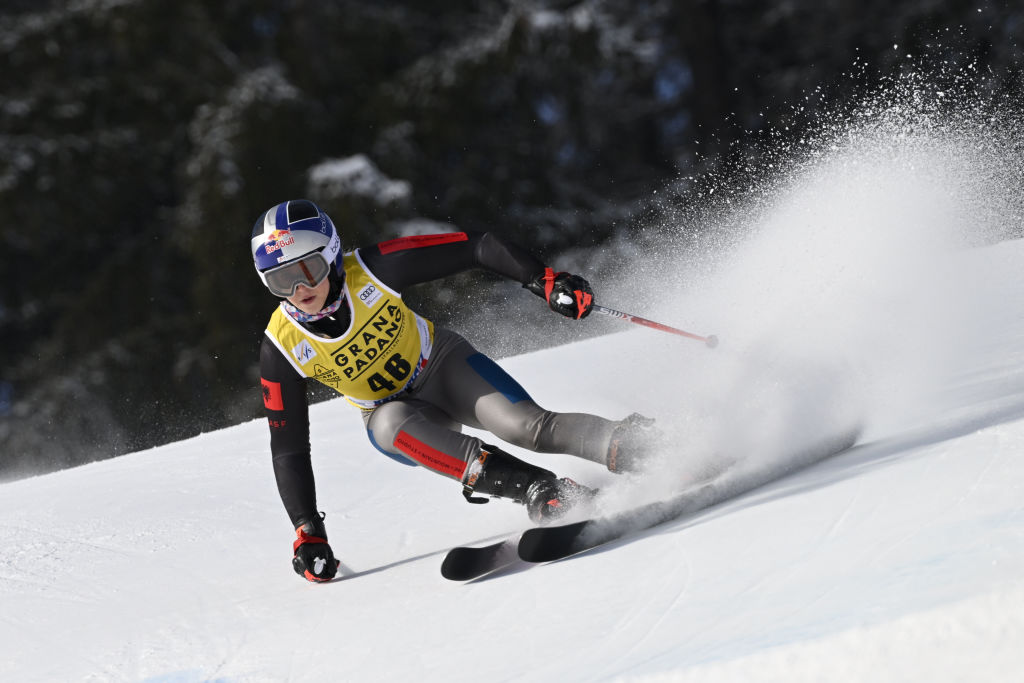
{"x": 309, "y": 271}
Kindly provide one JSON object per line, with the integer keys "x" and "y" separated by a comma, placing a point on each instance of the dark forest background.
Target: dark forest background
{"x": 139, "y": 140}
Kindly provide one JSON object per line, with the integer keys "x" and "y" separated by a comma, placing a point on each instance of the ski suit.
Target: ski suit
{"x": 416, "y": 385}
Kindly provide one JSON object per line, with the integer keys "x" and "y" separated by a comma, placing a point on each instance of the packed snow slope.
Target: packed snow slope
{"x": 900, "y": 560}
{"x": 862, "y": 290}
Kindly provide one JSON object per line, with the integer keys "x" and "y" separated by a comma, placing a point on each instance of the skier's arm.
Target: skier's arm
{"x": 284, "y": 397}
{"x": 407, "y": 261}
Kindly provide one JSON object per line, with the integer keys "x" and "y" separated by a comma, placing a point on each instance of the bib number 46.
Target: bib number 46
{"x": 397, "y": 368}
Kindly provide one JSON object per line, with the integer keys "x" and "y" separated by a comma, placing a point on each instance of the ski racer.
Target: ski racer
{"x": 342, "y": 322}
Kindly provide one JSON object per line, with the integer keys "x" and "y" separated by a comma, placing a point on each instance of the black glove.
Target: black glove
{"x": 565, "y": 293}
{"x": 313, "y": 558}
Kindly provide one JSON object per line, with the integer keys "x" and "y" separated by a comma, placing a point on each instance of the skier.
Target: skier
{"x": 342, "y": 321}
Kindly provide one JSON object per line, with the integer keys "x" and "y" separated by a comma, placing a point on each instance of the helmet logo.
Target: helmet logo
{"x": 278, "y": 239}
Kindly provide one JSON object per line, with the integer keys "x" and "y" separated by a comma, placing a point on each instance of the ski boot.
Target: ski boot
{"x": 632, "y": 444}
{"x": 548, "y": 500}
{"x": 498, "y": 474}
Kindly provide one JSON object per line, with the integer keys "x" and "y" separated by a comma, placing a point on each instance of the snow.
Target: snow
{"x": 901, "y": 560}
{"x": 857, "y": 298}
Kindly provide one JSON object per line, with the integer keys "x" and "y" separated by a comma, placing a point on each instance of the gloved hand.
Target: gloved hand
{"x": 565, "y": 293}
{"x": 313, "y": 557}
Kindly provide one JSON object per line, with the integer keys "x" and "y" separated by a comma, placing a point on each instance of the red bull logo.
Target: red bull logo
{"x": 278, "y": 239}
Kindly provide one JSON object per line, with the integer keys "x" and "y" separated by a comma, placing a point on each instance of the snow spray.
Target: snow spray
{"x": 834, "y": 272}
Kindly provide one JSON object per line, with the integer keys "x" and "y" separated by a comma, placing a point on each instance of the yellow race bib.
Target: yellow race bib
{"x": 384, "y": 348}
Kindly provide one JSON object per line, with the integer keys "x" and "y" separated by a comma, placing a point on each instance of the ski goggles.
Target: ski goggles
{"x": 310, "y": 270}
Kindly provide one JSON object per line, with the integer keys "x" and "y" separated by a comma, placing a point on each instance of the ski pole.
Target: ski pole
{"x": 710, "y": 340}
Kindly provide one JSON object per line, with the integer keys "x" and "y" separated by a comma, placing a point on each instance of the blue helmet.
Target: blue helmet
{"x": 294, "y": 243}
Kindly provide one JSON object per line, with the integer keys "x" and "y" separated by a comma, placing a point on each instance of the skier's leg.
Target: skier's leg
{"x": 416, "y": 431}
{"x": 476, "y": 391}
{"x": 420, "y": 432}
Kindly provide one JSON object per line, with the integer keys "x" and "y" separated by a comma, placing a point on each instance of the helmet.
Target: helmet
{"x": 294, "y": 243}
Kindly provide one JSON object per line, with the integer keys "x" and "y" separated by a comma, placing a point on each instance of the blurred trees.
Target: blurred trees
{"x": 140, "y": 139}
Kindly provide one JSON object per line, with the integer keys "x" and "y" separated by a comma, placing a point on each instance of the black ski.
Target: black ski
{"x": 467, "y": 563}
{"x": 548, "y": 543}
{"x": 545, "y": 544}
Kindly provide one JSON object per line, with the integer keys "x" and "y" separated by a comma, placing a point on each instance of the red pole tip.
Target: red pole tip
{"x": 712, "y": 341}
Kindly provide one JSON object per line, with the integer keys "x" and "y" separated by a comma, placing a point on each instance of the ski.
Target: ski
{"x": 549, "y": 543}
{"x": 546, "y": 544}
{"x": 466, "y": 563}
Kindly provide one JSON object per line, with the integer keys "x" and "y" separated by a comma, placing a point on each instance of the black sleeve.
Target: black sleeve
{"x": 407, "y": 261}
{"x": 284, "y": 397}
